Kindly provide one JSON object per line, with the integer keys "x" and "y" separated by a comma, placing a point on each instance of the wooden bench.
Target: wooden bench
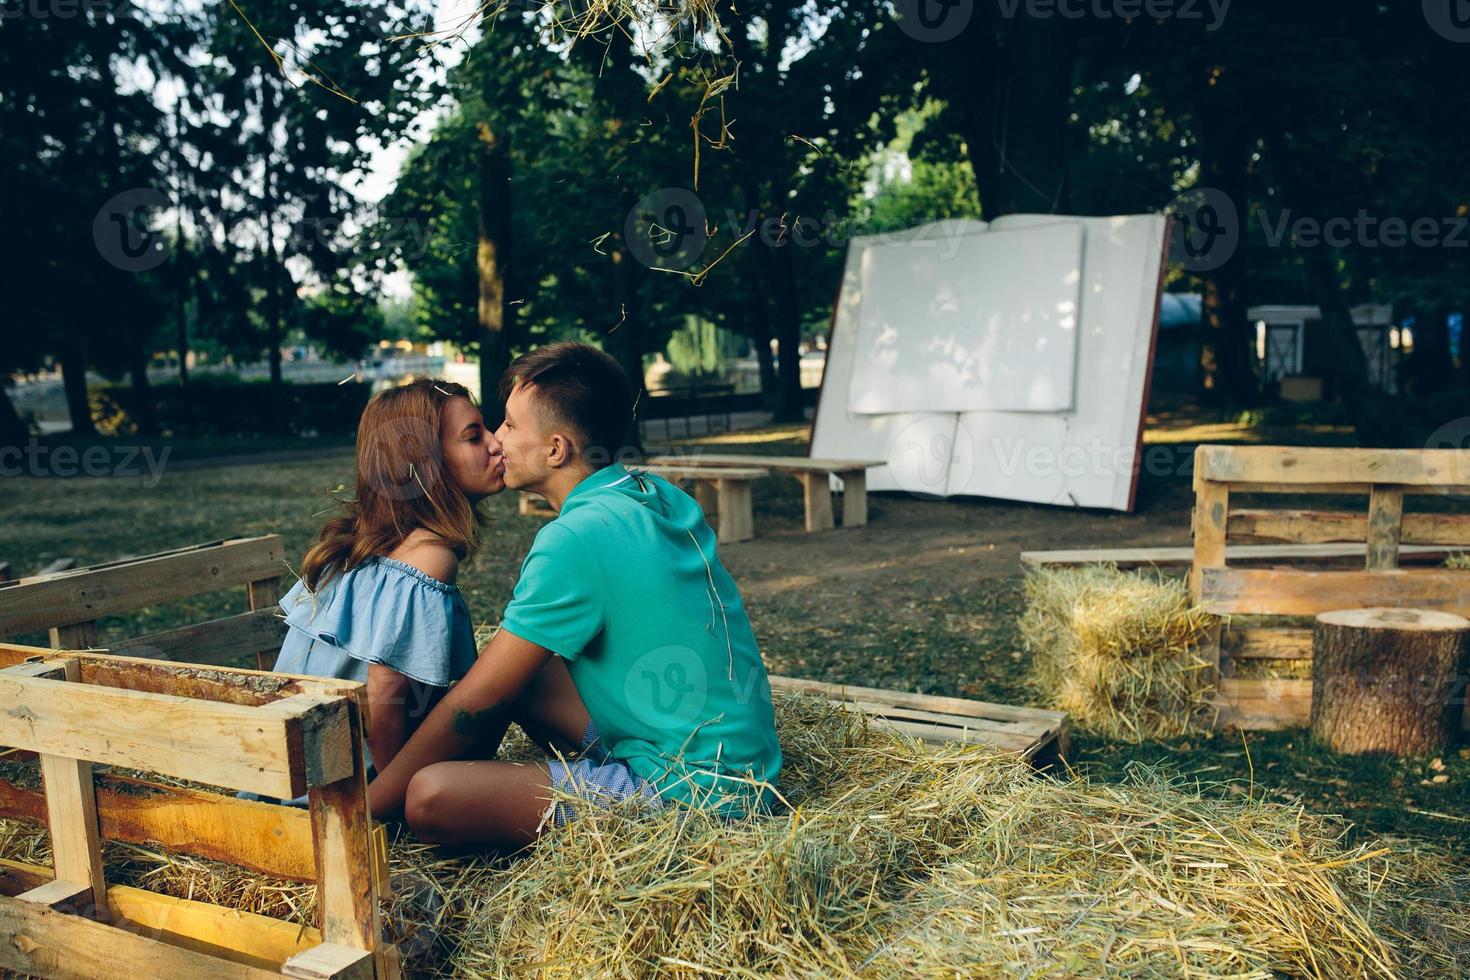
{"x": 813, "y": 474}
{"x": 1298, "y": 591}
{"x": 69, "y": 603}
{"x": 723, "y": 493}
{"x": 271, "y": 734}
{"x": 1040, "y": 737}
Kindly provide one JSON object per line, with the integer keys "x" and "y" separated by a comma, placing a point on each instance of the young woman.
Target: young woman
{"x": 377, "y": 601}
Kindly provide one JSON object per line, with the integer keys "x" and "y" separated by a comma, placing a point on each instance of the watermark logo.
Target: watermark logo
{"x": 1450, "y": 19}
{"x": 1454, "y": 434}
{"x": 60, "y": 9}
{"x": 672, "y": 682}
{"x": 1364, "y": 230}
{"x": 1211, "y": 13}
{"x": 70, "y": 461}
{"x": 666, "y": 229}
{"x": 122, "y": 238}
{"x": 930, "y": 455}
{"x": 1205, "y": 231}
{"x": 934, "y": 21}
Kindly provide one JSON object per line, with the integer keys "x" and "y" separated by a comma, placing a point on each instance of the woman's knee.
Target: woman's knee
{"x": 427, "y": 798}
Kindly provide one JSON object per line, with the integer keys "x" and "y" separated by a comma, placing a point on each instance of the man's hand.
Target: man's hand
{"x": 471, "y": 719}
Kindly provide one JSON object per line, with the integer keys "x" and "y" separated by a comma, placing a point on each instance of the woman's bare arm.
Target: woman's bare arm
{"x": 472, "y": 717}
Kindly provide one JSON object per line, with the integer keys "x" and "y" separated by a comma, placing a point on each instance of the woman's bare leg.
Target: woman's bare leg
{"x": 496, "y": 804}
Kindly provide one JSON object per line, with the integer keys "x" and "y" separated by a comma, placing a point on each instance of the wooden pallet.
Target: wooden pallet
{"x": 69, "y": 603}
{"x": 1040, "y": 737}
{"x": 271, "y": 734}
{"x": 1267, "y": 612}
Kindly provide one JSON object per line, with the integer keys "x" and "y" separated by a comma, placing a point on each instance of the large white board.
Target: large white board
{"x": 1084, "y": 455}
{"x": 970, "y": 322}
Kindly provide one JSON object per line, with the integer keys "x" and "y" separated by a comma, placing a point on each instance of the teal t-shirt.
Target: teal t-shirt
{"x": 626, "y": 586}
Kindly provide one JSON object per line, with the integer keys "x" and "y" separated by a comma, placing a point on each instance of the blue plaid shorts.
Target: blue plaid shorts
{"x": 597, "y": 777}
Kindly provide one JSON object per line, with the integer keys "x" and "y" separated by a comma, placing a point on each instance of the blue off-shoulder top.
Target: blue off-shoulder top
{"x": 381, "y": 612}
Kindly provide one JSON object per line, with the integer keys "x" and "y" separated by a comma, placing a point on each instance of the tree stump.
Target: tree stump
{"x": 1388, "y": 680}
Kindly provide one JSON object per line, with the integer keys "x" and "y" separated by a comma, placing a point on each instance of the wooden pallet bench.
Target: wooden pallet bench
{"x": 1182, "y": 558}
{"x": 1040, "y": 737}
{"x": 69, "y": 603}
{"x": 272, "y": 734}
{"x": 1267, "y": 612}
{"x": 813, "y": 475}
{"x": 723, "y": 493}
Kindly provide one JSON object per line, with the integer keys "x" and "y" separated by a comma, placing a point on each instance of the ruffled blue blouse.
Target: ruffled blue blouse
{"x": 381, "y": 612}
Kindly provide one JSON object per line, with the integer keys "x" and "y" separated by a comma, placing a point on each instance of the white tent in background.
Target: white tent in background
{"x": 1008, "y": 359}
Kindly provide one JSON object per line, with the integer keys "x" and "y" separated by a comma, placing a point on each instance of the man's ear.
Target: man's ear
{"x": 561, "y": 450}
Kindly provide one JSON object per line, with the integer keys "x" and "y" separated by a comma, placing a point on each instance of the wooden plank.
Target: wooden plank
{"x": 262, "y": 837}
{"x": 708, "y": 500}
{"x": 1181, "y": 557}
{"x": 816, "y": 491}
{"x": 1293, "y": 592}
{"x": 1211, "y": 512}
{"x": 1260, "y": 704}
{"x": 854, "y": 498}
{"x": 235, "y": 936}
{"x": 232, "y": 685}
{"x": 1267, "y": 643}
{"x": 74, "y": 636}
{"x": 1324, "y": 526}
{"x": 263, "y": 594}
{"x": 791, "y": 463}
{"x": 330, "y": 961}
{"x": 38, "y": 941}
{"x": 925, "y": 702}
{"x": 64, "y": 896}
{"x": 347, "y": 894}
{"x": 1330, "y": 465}
{"x": 86, "y": 595}
{"x": 216, "y": 642}
{"x": 1385, "y": 526}
{"x": 228, "y": 745}
{"x": 737, "y": 511}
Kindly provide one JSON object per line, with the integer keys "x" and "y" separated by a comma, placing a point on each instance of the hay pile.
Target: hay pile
{"x": 1118, "y": 651}
{"x": 1460, "y": 559}
{"x": 902, "y": 860}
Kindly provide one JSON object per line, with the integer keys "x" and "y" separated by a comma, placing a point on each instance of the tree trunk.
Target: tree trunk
{"x": 787, "y": 311}
{"x": 1388, "y": 680}
{"x": 1021, "y": 161}
{"x": 1430, "y": 365}
{"x": 74, "y": 382}
{"x": 138, "y": 357}
{"x": 13, "y": 431}
{"x": 493, "y": 258}
{"x": 761, "y": 341}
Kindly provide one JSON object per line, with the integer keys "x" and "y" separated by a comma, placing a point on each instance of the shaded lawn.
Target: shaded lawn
{"x": 926, "y": 598}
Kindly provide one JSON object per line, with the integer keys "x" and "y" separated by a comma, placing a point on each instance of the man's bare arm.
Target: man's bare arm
{"x": 475, "y": 713}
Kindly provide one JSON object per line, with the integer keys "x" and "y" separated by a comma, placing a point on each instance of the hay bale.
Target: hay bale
{"x": 1118, "y": 651}
{"x": 900, "y": 859}
{"x": 1459, "y": 559}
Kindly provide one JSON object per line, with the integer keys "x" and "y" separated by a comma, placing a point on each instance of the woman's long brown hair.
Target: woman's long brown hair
{"x": 402, "y": 484}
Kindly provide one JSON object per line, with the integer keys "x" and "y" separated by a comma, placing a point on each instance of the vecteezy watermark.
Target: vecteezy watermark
{"x": 59, "y": 9}
{"x": 1450, "y": 19}
{"x": 669, "y": 229}
{"x": 128, "y": 231}
{"x": 68, "y": 461}
{"x": 121, "y": 237}
{"x": 933, "y": 21}
{"x": 1211, "y": 13}
{"x": 672, "y": 681}
{"x": 1205, "y": 230}
{"x": 1364, "y": 230}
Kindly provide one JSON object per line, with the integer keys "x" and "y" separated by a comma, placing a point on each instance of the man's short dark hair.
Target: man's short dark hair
{"x": 580, "y": 387}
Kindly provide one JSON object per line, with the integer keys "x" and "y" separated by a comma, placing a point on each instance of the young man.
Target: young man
{"x": 626, "y": 640}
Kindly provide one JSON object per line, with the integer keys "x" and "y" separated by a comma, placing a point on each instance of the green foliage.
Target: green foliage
{"x": 224, "y": 409}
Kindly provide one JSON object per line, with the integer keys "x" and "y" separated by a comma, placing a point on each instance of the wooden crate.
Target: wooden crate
{"x": 271, "y": 734}
{"x": 1267, "y": 612}
{"x": 1040, "y": 737}
{"x": 69, "y": 603}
